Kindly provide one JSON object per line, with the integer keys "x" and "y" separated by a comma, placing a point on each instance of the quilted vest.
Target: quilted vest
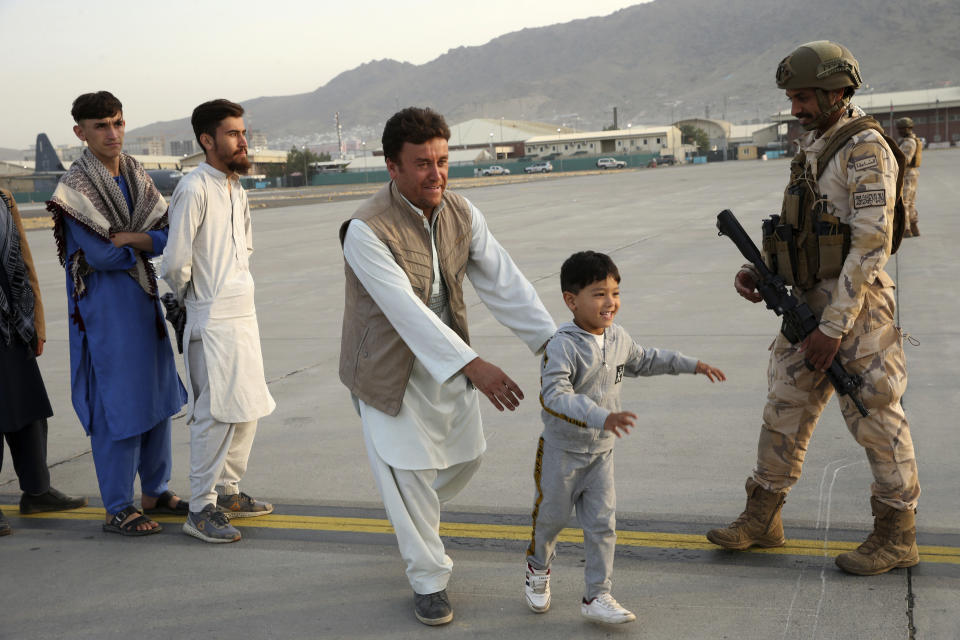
{"x": 375, "y": 363}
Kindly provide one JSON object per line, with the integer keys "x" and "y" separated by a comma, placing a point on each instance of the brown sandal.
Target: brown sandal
{"x": 163, "y": 505}
{"x": 116, "y": 524}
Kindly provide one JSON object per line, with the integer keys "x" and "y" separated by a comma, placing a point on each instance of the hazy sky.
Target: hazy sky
{"x": 161, "y": 59}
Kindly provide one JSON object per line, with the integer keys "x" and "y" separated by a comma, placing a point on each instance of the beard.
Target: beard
{"x": 237, "y": 162}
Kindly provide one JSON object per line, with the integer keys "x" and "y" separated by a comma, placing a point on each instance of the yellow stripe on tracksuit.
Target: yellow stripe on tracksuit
{"x": 537, "y": 473}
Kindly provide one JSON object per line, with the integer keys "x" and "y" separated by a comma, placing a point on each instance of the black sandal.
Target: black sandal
{"x": 116, "y": 524}
{"x": 163, "y": 505}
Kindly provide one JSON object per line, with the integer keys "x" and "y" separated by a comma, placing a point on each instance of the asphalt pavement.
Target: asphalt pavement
{"x": 325, "y": 564}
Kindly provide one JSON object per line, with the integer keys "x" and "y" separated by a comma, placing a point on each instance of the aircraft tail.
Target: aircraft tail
{"x": 46, "y": 158}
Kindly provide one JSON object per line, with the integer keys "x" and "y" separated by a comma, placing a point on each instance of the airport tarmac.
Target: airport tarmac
{"x": 324, "y": 565}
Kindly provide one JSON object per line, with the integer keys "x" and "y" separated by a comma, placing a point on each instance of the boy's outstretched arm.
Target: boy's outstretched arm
{"x": 713, "y": 373}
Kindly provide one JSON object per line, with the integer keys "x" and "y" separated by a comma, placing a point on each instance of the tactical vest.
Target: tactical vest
{"x": 805, "y": 244}
{"x": 918, "y": 154}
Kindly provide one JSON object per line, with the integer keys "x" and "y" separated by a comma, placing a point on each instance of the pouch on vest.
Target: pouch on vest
{"x": 833, "y": 244}
{"x": 805, "y": 244}
{"x": 840, "y": 139}
{"x": 769, "y": 244}
{"x": 809, "y": 244}
{"x": 918, "y": 154}
{"x": 793, "y": 241}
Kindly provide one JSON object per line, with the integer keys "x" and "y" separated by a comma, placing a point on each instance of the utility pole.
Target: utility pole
{"x": 336, "y": 119}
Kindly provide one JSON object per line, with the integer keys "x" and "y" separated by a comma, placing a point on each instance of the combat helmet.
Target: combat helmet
{"x": 824, "y": 66}
{"x": 904, "y": 123}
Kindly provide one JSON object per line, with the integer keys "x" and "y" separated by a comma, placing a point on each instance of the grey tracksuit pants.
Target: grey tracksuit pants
{"x": 566, "y": 480}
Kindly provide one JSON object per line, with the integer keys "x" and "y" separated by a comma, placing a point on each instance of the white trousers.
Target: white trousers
{"x": 412, "y": 499}
{"x": 219, "y": 451}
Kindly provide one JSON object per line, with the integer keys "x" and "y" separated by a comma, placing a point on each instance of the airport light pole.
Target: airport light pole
{"x": 492, "y": 154}
{"x": 305, "y": 174}
{"x": 363, "y": 145}
{"x": 559, "y": 152}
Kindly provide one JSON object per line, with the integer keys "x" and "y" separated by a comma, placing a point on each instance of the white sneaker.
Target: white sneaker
{"x": 536, "y": 590}
{"x": 604, "y": 608}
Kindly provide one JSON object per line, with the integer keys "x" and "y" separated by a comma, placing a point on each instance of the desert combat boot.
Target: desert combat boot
{"x": 759, "y": 524}
{"x": 892, "y": 544}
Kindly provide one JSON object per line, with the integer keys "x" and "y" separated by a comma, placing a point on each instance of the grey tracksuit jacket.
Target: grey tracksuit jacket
{"x": 580, "y": 383}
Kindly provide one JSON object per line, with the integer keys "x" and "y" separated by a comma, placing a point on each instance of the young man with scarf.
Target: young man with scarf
{"x": 109, "y": 221}
{"x": 24, "y": 406}
{"x": 206, "y": 263}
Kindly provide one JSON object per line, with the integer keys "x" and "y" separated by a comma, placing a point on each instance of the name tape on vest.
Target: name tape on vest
{"x": 866, "y": 199}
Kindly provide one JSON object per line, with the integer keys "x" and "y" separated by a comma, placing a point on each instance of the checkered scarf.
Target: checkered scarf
{"x": 16, "y": 310}
{"x": 89, "y": 195}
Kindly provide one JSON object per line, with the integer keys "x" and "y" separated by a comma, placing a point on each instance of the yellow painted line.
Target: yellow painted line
{"x": 40, "y": 222}
{"x": 793, "y": 547}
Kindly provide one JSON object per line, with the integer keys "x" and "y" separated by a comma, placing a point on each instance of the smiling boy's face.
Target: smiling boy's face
{"x": 595, "y": 306}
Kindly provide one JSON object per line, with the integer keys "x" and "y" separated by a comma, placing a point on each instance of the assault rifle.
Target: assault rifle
{"x": 799, "y": 320}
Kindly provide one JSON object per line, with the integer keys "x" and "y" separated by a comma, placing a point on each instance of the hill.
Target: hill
{"x": 656, "y": 62}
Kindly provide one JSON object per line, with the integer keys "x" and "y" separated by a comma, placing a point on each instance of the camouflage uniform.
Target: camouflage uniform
{"x": 859, "y": 185}
{"x": 908, "y": 145}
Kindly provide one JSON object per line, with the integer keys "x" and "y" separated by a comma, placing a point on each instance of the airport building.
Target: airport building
{"x": 145, "y": 146}
{"x": 257, "y": 139}
{"x": 501, "y": 138}
{"x": 730, "y": 141}
{"x": 935, "y": 113}
{"x": 458, "y": 157}
{"x": 663, "y": 140}
{"x": 182, "y": 147}
{"x": 259, "y": 160}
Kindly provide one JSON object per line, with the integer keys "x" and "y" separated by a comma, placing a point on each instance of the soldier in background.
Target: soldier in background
{"x": 850, "y": 174}
{"x": 912, "y": 149}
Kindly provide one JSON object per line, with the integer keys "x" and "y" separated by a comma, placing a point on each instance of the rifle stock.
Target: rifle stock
{"x": 799, "y": 321}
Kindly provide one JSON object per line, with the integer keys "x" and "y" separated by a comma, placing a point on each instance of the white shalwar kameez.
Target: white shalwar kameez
{"x": 428, "y": 452}
{"x": 206, "y": 264}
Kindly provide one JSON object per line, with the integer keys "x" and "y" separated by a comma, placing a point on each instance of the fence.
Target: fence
{"x": 467, "y": 171}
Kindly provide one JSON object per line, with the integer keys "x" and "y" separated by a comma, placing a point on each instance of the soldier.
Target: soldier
{"x": 849, "y": 173}
{"x": 912, "y": 150}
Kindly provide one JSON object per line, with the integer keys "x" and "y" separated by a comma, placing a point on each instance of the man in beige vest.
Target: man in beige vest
{"x": 405, "y": 353}
{"x": 912, "y": 149}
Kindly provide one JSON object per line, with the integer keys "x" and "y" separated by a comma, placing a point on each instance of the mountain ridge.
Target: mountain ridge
{"x": 657, "y": 61}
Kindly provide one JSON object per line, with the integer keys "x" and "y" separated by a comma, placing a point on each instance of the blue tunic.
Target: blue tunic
{"x": 120, "y": 354}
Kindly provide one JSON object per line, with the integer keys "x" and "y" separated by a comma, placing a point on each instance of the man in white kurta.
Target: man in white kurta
{"x": 426, "y": 453}
{"x": 206, "y": 264}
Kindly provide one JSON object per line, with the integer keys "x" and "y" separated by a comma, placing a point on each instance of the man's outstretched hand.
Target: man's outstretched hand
{"x": 493, "y": 383}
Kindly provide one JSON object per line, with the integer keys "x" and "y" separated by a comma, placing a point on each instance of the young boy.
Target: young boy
{"x": 583, "y": 365}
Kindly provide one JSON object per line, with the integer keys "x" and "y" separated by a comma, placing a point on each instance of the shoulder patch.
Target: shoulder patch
{"x": 864, "y": 199}
{"x": 865, "y": 163}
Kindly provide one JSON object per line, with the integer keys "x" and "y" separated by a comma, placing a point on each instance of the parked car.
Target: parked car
{"x": 538, "y": 167}
{"x": 610, "y": 163}
{"x": 495, "y": 170}
{"x": 662, "y": 161}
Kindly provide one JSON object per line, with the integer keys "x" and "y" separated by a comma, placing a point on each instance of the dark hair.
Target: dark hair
{"x": 93, "y": 106}
{"x": 584, "y": 268}
{"x": 414, "y": 125}
{"x": 208, "y": 116}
